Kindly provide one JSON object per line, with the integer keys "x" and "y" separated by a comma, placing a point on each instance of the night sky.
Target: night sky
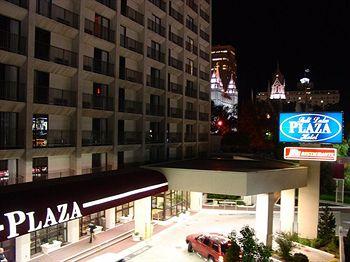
{"x": 310, "y": 33}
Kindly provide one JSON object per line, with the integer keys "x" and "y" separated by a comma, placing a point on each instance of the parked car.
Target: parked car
{"x": 211, "y": 246}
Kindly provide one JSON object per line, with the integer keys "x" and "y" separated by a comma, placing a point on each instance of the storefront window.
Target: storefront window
{"x": 125, "y": 210}
{"x": 97, "y": 219}
{"x": 9, "y": 249}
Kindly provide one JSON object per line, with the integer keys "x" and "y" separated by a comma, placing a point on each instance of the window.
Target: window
{"x": 156, "y": 19}
{"x": 216, "y": 247}
{"x": 206, "y": 241}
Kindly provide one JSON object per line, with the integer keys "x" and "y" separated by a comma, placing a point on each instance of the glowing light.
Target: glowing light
{"x": 220, "y": 123}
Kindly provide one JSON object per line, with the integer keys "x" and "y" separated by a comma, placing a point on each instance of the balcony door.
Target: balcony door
{"x": 102, "y": 26}
{"x": 121, "y": 134}
{"x": 121, "y": 99}
{"x": 40, "y": 130}
{"x": 40, "y": 169}
{"x": 42, "y": 43}
{"x": 122, "y": 67}
{"x": 100, "y": 92}
{"x": 101, "y": 60}
{"x": 8, "y": 130}
{"x": 99, "y": 130}
{"x": 42, "y": 83}
{"x": 9, "y": 77}
{"x": 10, "y": 30}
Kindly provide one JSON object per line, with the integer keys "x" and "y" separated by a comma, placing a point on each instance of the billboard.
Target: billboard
{"x": 310, "y": 153}
{"x": 325, "y": 127}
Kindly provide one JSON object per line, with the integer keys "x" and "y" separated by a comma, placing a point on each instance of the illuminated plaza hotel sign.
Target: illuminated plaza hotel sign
{"x": 325, "y": 127}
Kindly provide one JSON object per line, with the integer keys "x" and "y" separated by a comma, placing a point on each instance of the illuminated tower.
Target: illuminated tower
{"x": 278, "y": 86}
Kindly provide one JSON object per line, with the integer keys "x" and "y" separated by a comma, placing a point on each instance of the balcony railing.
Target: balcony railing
{"x": 190, "y": 91}
{"x": 129, "y": 106}
{"x": 175, "y": 112}
{"x": 131, "y": 75}
{"x": 173, "y": 62}
{"x": 203, "y": 116}
{"x": 53, "y": 174}
{"x": 13, "y": 42}
{"x": 155, "y": 54}
{"x": 154, "y": 110}
{"x": 53, "y": 96}
{"x": 204, "y": 15}
{"x": 160, "y": 3}
{"x": 57, "y": 13}
{"x": 176, "y": 39}
{"x": 12, "y": 90}
{"x": 98, "y": 102}
{"x": 131, "y": 44}
{"x": 130, "y": 138}
{"x": 204, "y": 75}
{"x": 175, "y": 88}
{"x": 132, "y": 14}
{"x": 192, "y": 26}
{"x": 203, "y": 137}
{"x": 191, "y": 70}
{"x": 155, "y": 82}
{"x": 192, "y": 48}
{"x": 204, "y": 35}
{"x": 55, "y": 54}
{"x": 110, "y": 3}
{"x": 11, "y": 138}
{"x": 92, "y": 170}
{"x": 192, "y": 5}
{"x": 203, "y": 96}
{"x": 155, "y": 27}
{"x": 174, "y": 137}
{"x": 98, "y": 66}
{"x": 99, "y": 31}
{"x": 55, "y": 138}
{"x": 204, "y": 55}
{"x": 190, "y": 114}
{"x": 176, "y": 15}
{"x": 154, "y": 138}
{"x": 96, "y": 138}
{"x": 190, "y": 137}
{"x": 21, "y": 3}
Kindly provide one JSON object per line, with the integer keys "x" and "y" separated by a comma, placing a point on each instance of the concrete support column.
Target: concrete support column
{"x": 142, "y": 216}
{"x": 196, "y": 201}
{"x": 287, "y": 213}
{"x": 110, "y": 218}
{"x": 12, "y": 168}
{"x": 308, "y": 201}
{"x": 73, "y": 231}
{"x": 25, "y": 167}
{"x": 23, "y": 248}
{"x": 264, "y": 218}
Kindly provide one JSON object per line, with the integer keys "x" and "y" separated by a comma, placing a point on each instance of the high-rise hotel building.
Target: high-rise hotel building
{"x": 94, "y": 85}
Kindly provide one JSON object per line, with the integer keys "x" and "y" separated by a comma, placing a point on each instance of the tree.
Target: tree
{"x": 222, "y": 120}
{"x": 326, "y": 227}
{"x": 234, "y": 250}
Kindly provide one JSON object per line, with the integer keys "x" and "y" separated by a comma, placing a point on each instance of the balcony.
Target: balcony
{"x": 174, "y": 137}
{"x": 175, "y": 88}
{"x": 131, "y": 75}
{"x": 155, "y": 54}
{"x": 129, "y": 106}
{"x": 190, "y": 137}
{"x": 131, "y": 44}
{"x": 110, "y": 3}
{"x": 99, "y": 31}
{"x": 98, "y": 102}
{"x": 190, "y": 69}
{"x": 203, "y": 96}
{"x": 191, "y": 48}
{"x": 11, "y": 139}
{"x": 192, "y": 5}
{"x": 190, "y": 114}
{"x": 192, "y": 26}
{"x": 176, "y": 39}
{"x": 92, "y": 170}
{"x": 154, "y": 110}
{"x": 21, "y": 3}
{"x": 48, "y": 9}
{"x": 175, "y": 112}
{"x": 204, "y": 35}
{"x": 203, "y": 137}
{"x": 204, "y": 75}
{"x": 155, "y": 27}
{"x": 191, "y": 92}
{"x": 54, "y": 54}
{"x": 159, "y": 3}
{"x": 95, "y": 138}
{"x": 13, "y": 43}
{"x": 132, "y": 14}
{"x": 53, "y": 96}
{"x": 55, "y": 138}
{"x": 155, "y": 82}
{"x": 12, "y": 91}
{"x": 203, "y": 116}
{"x": 173, "y": 62}
{"x": 130, "y": 138}
{"x": 154, "y": 138}
{"x": 176, "y": 15}
{"x": 204, "y": 15}
{"x": 98, "y": 66}
{"x": 204, "y": 55}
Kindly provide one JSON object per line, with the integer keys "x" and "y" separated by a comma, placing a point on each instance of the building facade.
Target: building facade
{"x": 88, "y": 86}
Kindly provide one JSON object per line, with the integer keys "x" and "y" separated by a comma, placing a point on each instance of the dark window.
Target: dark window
{"x": 40, "y": 169}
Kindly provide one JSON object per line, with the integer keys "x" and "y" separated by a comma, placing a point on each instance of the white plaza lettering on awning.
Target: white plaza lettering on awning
{"x": 119, "y": 196}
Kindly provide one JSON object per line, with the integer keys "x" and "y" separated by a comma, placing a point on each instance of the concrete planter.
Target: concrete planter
{"x": 136, "y": 237}
{"x": 47, "y": 247}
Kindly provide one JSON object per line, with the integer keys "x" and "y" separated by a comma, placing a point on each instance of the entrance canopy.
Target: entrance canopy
{"x": 231, "y": 176}
{"x": 32, "y": 206}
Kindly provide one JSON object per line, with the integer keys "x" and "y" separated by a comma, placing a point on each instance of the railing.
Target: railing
{"x": 159, "y": 3}
{"x": 98, "y": 66}
{"x": 176, "y": 39}
{"x": 174, "y": 137}
{"x": 130, "y": 138}
{"x": 203, "y": 96}
{"x": 110, "y": 3}
{"x": 154, "y": 110}
{"x": 131, "y": 75}
{"x": 191, "y": 92}
{"x": 175, "y": 88}
{"x": 190, "y": 137}
{"x": 155, "y": 82}
{"x": 154, "y": 138}
{"x": 21, "y": 3}
{"x": 204, "y": 55}
{"x": 204, "y": 35}
{"x": 132, "y": 14}
{"x": 203, "y": 137}
{"x": 99, "y": 31}
{"x": 192, "y": 5}
{"x": 55, "y": 138}
{"x": 98, "y": 102}
{"x": 155, "y": 54}
{"x": 57, "y": 13}
{"x": 55, "y": 54}
{"x": 204, "y": 15}
{"x": 175, "y": 63}
{"x": 131, "y": 44}
{"x": 189, "y": 114}
{"x": 155, "y": 27}
{"x": 192, "y": 48}
{"x": 191, "y": 70}
{"x": 12, "y": 90}
{"x": 13, "y": 42}
{"x": 175, "y": 112}
{"x": 95, "y": 138}
{"x": 128, "y": 106}
{"x": 11, "y": 138}
{"x": 204, "y": 75}
{"x": 176, "y": 15}
{"x": 203, "y": 116}
{"x": 192, "y": 26}
{"x": 56, "y": 174}
{"x": 53, "y": 96}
